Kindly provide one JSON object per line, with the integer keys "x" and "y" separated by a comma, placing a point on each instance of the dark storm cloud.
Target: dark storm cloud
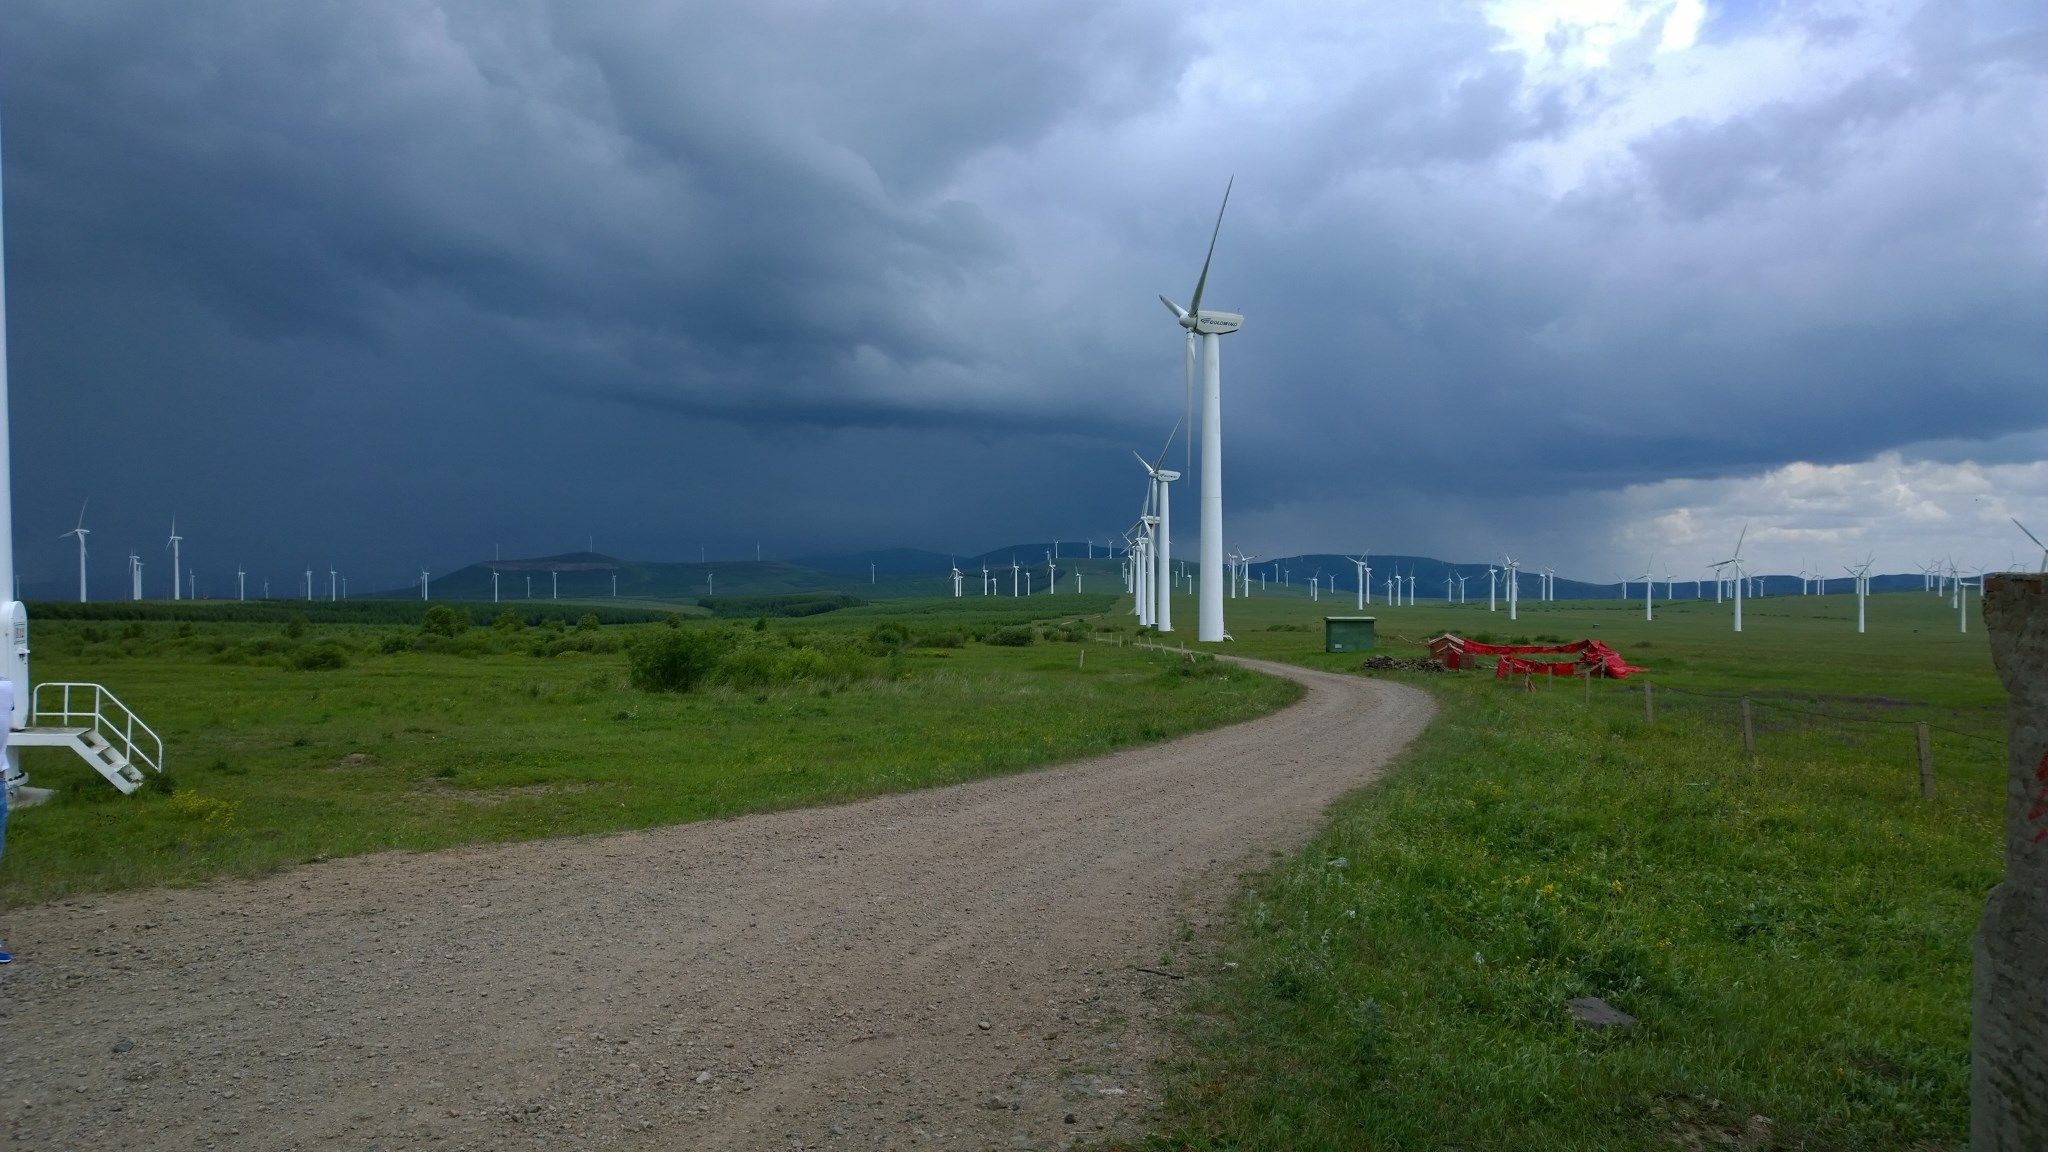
{"x": 383, "y": 279}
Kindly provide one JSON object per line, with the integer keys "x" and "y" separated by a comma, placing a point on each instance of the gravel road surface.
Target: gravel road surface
{"x": 953, "y": 968}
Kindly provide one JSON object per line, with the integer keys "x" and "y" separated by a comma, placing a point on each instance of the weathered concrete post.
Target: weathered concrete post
{"x": 2009, "y": 994}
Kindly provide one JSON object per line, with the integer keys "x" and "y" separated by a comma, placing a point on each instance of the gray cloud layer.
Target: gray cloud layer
{"x": 381, "y": 283}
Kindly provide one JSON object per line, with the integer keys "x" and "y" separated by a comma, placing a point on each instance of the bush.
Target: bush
{"x": 675, "y": 660}
{"x": 394, "y": 644}
{"x": 295, "y": 627}
{"x": 442, "y": 620}
{"x": 320, "y": 658}
{"x": 941, "y": 640}
{"x": 508, "y": 621}
{"x": 1015, "y": 636}
{"x": 587, "y": 623}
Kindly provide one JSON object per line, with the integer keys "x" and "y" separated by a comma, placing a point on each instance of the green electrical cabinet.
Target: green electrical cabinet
{"x": 1347, "y": 633}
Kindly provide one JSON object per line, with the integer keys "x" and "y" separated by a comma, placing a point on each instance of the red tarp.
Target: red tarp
{"x": 1594, "y": 658}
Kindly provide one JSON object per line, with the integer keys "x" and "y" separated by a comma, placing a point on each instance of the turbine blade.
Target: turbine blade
{"x": 1178, "y": 311}
{"x": 1164, "y": 448}
{"x": 1195, "y": 305}
{"x": 2015, "y": 523}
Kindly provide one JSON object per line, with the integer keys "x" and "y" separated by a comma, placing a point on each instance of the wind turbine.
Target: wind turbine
{"x": 135, "y": 574}
{"x": 1862, "y": 576}
{"x": 81, "y": 531}
{"x": 2015, "y": 523}
{"x": 1461, "y": 587}
{"x": 176, "y": 540}
{"x": 1052, "y": 576}
{"x": 309, "y": 585}
{"x": 423, "y": 583}
{"x": 1649, "y": 590}
{"x": 956, "y": 578}
{"x": 241, "y": 583}
{"x": 1411, "y": 587}
{"x": 1735, "y": 563}
{"x": 1160, "y": 506}
{"x": 1013, "y": 575}
{"x": 1211, "y": 327}
{"x": 1492, "y": 585}
{"x": 333, "y": 585}
{"x": 1363, "y": 563}
{"x": 1514, "y": 570}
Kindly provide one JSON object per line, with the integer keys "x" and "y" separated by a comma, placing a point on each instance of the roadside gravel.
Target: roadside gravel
{"x": 953, "y": 968}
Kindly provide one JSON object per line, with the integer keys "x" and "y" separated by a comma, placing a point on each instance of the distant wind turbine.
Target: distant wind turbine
{"x": 176, "y": 567}
{"x": 80, "y": 532}
{"x": 1734, "y": 564}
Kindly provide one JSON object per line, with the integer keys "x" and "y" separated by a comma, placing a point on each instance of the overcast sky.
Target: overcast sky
{"x": 385, "y": 283}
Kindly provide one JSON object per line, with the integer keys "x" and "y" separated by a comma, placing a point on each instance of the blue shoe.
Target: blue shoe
{"x": 6, "y": 958}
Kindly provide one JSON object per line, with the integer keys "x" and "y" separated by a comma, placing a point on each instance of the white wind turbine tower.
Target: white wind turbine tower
{"x": 1314, "y": 585}
{"x": 79, "y": 532}
{"x": 333, "y": 585}
{"x": 241, "y": 583}
{"x": 176, "y": 567}
{"x": 134, "y": 575}
{"x": 1514, "y": 571}
{"x": 956, "y": 578}
{"x": 984, "y": 577}
{"x": 1735, "y": 564}
{"x": 309, "y": 585}
{"x": 1013, "y": 576}
{"x": 1649, "y": 589}
{"x": 423, "y": 583}
{"x": 2015, "y": 523}
{"x": 1361, "y": 562}
{"x": 1492, "y": 587}
{"x": 1461, "y": 587}
{"x": 1052, "y": 576}
{"x": 1862, "y": 576}
{"x": 1159, "y": 507}
{"x": 1210, "y": 326}
{"x": 1670, "y": 585}
{"x": 1411, "y": 587}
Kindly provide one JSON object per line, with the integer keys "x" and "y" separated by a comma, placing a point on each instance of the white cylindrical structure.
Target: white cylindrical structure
{"x": 1209, "y": 608}
{"x": 1162, "y": 548}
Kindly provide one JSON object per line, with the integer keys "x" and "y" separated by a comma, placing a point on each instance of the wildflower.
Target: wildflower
{"x": 1616, "y": 885}
{"x": 1547, "y": 890}
{"x": 1478, "y": 959}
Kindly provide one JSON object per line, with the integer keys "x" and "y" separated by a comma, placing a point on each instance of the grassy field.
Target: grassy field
{"x": 1793, "y": 933}
{"x": 419, "y": 742}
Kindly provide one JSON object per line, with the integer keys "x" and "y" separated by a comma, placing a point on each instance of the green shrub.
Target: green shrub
{"x": 508, "y": 621}
{"x": 675, "y": 660}
{"x": 320, "y": 658}
{"x": 941, "y": 640}
{"x": 443, "y": 620}
{"x": 393, "y": 644}
{"x": 1014, "y": 636}
{"x": 587, "y": 622}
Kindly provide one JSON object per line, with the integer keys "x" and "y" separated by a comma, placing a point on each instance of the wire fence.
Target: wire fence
{"x": 1758, "y": 723}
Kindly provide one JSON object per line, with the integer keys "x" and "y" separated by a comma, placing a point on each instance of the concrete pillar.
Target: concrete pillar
{"x": 2009, "y": 994}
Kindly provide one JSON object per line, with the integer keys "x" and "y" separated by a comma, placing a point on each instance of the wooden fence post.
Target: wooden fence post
{"x": 1649, "y": 706}
{"x": 1748, "y": 731}
{"x": 1926, "y": 761}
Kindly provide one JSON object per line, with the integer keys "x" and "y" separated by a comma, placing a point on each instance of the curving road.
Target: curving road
{"x": 953, "y": 968}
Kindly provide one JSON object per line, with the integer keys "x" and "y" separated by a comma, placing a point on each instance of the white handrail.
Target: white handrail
{"x": 121, "y": 736}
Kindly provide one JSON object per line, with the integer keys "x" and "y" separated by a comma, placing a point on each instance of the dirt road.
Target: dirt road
{"x": 954, "y": 968}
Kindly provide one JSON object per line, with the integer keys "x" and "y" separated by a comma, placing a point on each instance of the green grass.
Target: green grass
{"x": 417, "y": 751}
{"x": 1792, "y": 934}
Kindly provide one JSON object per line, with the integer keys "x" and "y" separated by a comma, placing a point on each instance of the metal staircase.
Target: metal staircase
{"x": 90, "y": 721}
